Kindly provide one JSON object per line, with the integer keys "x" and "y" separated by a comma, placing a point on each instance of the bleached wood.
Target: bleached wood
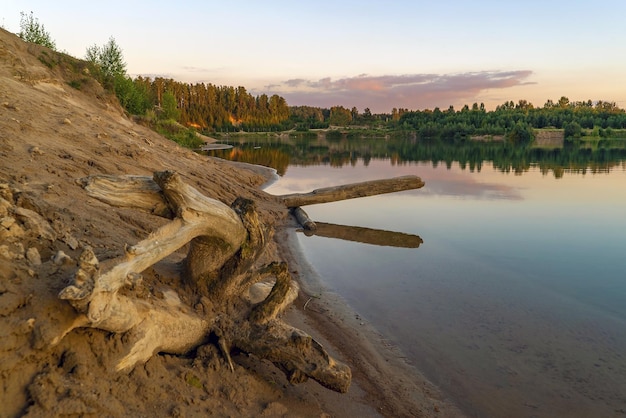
{"x": 352, "y": 191}
{"x": 224, "y": 244}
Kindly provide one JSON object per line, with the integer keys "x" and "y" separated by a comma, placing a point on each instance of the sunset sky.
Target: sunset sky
{"x": 368, "y": 54}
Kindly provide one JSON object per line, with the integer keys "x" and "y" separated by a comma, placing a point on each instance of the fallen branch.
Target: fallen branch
{"x": 351, "y": 191}
{"x": 303, "y": 218}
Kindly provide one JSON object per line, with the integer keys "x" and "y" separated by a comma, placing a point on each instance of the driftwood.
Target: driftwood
{"x": 351, "y": 191}
{"x": 220, "y": 267}
{"x": 303, "y": 218}
{"x": 225, "y": 242}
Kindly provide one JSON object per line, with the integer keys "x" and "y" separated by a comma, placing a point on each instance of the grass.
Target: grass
{"x": 185, "y": 137}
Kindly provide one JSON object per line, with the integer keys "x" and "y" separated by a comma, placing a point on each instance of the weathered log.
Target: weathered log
{"x": 303, "y": 218}
{"x": 297, "y": 354}
{"x": 351, "y": 191}
{"x": 225, "y": 243}
{"x": 366, "y": 235}
{"x": 140, "y": 192}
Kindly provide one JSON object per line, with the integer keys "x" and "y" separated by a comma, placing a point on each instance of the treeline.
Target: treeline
{"x": 516, "y": 121}
{"x": 204, "y": 106}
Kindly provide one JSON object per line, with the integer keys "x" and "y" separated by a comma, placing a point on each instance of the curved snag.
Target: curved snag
{"x": 225, "y": 244}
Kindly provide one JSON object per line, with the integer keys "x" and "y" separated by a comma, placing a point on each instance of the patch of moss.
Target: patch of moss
{"x": 193, "y": 380}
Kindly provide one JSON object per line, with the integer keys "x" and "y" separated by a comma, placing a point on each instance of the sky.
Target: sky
{"x": 365, "y": 54}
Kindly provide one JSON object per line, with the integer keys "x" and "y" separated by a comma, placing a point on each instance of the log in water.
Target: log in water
{"x": 352, "y": 191}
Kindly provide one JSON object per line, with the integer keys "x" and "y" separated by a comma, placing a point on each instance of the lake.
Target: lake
{"x": 515, "y": 302}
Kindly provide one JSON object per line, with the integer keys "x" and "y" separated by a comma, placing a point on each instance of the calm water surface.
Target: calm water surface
{"x": 515, "y": 303}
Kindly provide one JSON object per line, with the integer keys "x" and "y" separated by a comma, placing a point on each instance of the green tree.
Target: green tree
{"x": 340, "y": 116}
{"x": 521, "y": 134}
{"x": 170, "y": 108}
{"x": 572, "y": 130}
{"x": 33, "y": 31}
{"x": 108, "y": 60}
{"x": 133, "y": 96}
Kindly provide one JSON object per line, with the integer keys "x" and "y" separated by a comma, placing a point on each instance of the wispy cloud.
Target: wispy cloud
{"x": 412, "y": 91}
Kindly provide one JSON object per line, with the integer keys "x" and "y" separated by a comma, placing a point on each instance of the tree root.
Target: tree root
{"x": 225, "y": 244}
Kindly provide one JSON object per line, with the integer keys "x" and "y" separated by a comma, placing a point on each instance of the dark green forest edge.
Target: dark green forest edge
{"x": 592, "y": 133}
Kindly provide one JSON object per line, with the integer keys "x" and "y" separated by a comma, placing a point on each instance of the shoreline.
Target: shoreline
{"x": 384, "y": 382}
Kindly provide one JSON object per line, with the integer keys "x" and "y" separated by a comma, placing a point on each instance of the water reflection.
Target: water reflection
{"x": 365, "y": 235}
{"x": 306, "y": 149}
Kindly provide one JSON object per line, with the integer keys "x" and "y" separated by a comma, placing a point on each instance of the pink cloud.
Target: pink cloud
{"x": 411, "y": 91}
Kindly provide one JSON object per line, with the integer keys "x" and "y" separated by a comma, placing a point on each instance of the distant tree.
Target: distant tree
{"x": 33, "y": 31}
{"x": 524, "y": 105}
{"x": 355, "y": 113}
{"x": 572, "y": 130}
{"x": 170, "y": 109}
{"x": 340, "y": 116}
{"x": 521, "y": 134}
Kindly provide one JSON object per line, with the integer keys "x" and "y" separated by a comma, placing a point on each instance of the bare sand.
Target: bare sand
{"x": 52, "y": 134}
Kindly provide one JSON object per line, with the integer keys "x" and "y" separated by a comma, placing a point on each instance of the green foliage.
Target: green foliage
{"x": 516, "y": 121}
{"x": 216, "y": 108}
{"x": 107, "y": 62}
{"x": 572, "y": 130}
{"x": 33, "y": 31}
{"x": 340, "y": 116}
{"x": 521, "y": 134}
{"x": 134, "y": 97}
{"x": 76, "y": 84}
{"x": 185, "y": 137}
{"x": 169, "y": 107}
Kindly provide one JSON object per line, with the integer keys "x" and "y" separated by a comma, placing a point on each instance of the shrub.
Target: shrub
{"x": 33, "y": 31}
